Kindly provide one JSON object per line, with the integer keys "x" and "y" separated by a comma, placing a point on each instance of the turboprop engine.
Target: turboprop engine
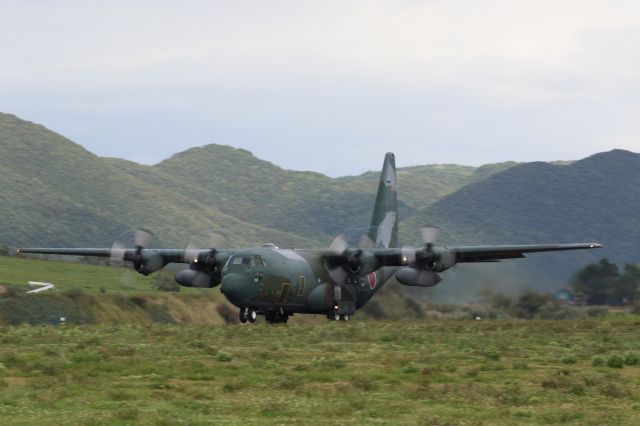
{"x": 205, "y": 268}
{"x": 146, "y": 262}
{"x": 418, "y": 277}
{"x": 196, "y": 278}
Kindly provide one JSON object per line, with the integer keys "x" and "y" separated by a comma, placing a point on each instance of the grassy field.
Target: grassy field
{"x": 374, "y": 372}
{"x": 18, "y": 271}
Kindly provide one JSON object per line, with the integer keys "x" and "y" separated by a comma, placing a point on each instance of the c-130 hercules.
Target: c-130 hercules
{"x": 334, "y": 282}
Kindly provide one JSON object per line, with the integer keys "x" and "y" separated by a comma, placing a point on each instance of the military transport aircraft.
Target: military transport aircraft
{"x": 335, "y": 282}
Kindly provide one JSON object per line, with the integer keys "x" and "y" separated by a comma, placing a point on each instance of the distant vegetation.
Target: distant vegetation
{"x": 98, "y": 294}
{"x": 55, "y": 193}
{"x": 602, "y": 283}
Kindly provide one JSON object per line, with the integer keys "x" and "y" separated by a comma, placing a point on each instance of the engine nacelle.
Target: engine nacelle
{"x": 418, "y": 277}
{"x": 199, "y": 279}
{"x": 148, "y": 261}
{"x": 444, "y": 260}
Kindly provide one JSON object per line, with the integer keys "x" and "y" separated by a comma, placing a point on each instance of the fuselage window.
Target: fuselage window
{"x": 257, "y": 262}
{"x": 237, "y": 260}
{"x": 302, "y": 283}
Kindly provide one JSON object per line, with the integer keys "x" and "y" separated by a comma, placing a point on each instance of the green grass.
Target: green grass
{"x": 19, "y": 271}
{"x": 404, "y": 372}
{"x": 91, "y": 279}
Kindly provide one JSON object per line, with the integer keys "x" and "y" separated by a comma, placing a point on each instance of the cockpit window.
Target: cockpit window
{"x": 249, "y": 261}
{"x": 257, "y": 262}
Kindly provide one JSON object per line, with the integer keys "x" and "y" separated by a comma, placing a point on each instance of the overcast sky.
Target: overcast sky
{"x": 326, "y": 85}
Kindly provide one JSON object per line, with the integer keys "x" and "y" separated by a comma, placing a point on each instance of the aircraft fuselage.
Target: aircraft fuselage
{"x": 283, "y": 282}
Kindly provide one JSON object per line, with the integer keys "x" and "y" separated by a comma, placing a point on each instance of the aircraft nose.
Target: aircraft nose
{"x": 238, "y": 289}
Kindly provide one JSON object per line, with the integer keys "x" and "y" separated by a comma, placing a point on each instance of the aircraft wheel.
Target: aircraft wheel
{"x": 345, "y": 318}
{"x": 253, "y": 315}
{"x": 336, "y": 317}
{"x": 243, "y": 315}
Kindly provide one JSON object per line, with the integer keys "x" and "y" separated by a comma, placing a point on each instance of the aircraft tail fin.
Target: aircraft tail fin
{"x": 384, "y": 222}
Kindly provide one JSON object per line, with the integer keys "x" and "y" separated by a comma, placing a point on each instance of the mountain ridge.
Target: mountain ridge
{"x": 57, "y": 193}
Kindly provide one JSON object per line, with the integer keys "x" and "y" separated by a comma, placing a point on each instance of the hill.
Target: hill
{"x": 55, "y": 192}
{"x": 594, "y": 199}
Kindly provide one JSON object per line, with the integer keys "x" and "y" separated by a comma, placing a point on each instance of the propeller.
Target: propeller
{"x": 204, "y": 259}
{"x": 128, "y": 247}
{"x": 211, "y": 240}
{"x": 428, "y": 257}
{"x": 345, "y": 260}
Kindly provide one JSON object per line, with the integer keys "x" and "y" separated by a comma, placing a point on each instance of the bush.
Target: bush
{"x": 410, "y": 368}
{"x": 140, "y": 301}
{"x": 492, "y": 354}
{"x": 11, "y": 291}
{"x": 74, "y": 293}
{"x": 597, "y": 311}
{"x": 569, "y": 359}
{"x": 555, "y": 311}
{"x": 598, "y": 361}
{"x": 615, "y": 361}
{"x": 530, "y": 303}
{"x": 631, "y": 359}
{"x": 224, "y": 356}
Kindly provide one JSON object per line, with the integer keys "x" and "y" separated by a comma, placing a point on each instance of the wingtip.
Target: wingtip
{"x": 596, "y": 245}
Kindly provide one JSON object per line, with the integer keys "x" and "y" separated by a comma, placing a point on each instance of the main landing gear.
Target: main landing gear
{"x": 337, "y": 317}
{"x": 272, "y": 317}
{"x": 248, "y": 314}
{"x": 276, "y": 317}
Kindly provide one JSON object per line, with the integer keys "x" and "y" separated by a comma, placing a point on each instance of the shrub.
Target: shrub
{"x": 598, "y": 361}
{"x": 597, "y": 311}
{"x": 569, "y": 359}
{"x": 74, "y": 293}
{"x": 529, "y": 304}
{"x": 615, "y": 361}
{"x": 492, "y": 354}
{"x": 139, "y": 300}
{"x": 11, "y": 291}
{"x": 224, "y": 356}
{"x": 410, "y": 368}
{"x": 631, "y": 359}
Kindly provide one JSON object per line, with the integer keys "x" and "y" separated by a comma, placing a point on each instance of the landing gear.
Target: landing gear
{"x": 248, "y": 314}
{"x": 276, "y": 317}
{"x": 338, "y": 317}
{"x": 244, "y": 315}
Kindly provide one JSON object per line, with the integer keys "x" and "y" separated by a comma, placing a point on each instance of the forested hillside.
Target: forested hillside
{"x": 56, "y": 193}
{"x": 595, "y": 199}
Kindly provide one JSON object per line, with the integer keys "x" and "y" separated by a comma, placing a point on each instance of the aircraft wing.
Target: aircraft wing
{"x": 168, "y": 255}
{"x": 467, "y": 254}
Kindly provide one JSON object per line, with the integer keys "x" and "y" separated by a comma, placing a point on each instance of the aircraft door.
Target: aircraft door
{"x": 257, "y": 265}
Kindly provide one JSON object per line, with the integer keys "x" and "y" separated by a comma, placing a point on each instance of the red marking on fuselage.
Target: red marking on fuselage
{"x": 372, "y": 280}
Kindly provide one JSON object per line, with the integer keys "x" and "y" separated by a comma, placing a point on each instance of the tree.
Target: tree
{"x": 597, "y": 282}
{"x": 529, "y": 304}
{"x": 627, "y": 288}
